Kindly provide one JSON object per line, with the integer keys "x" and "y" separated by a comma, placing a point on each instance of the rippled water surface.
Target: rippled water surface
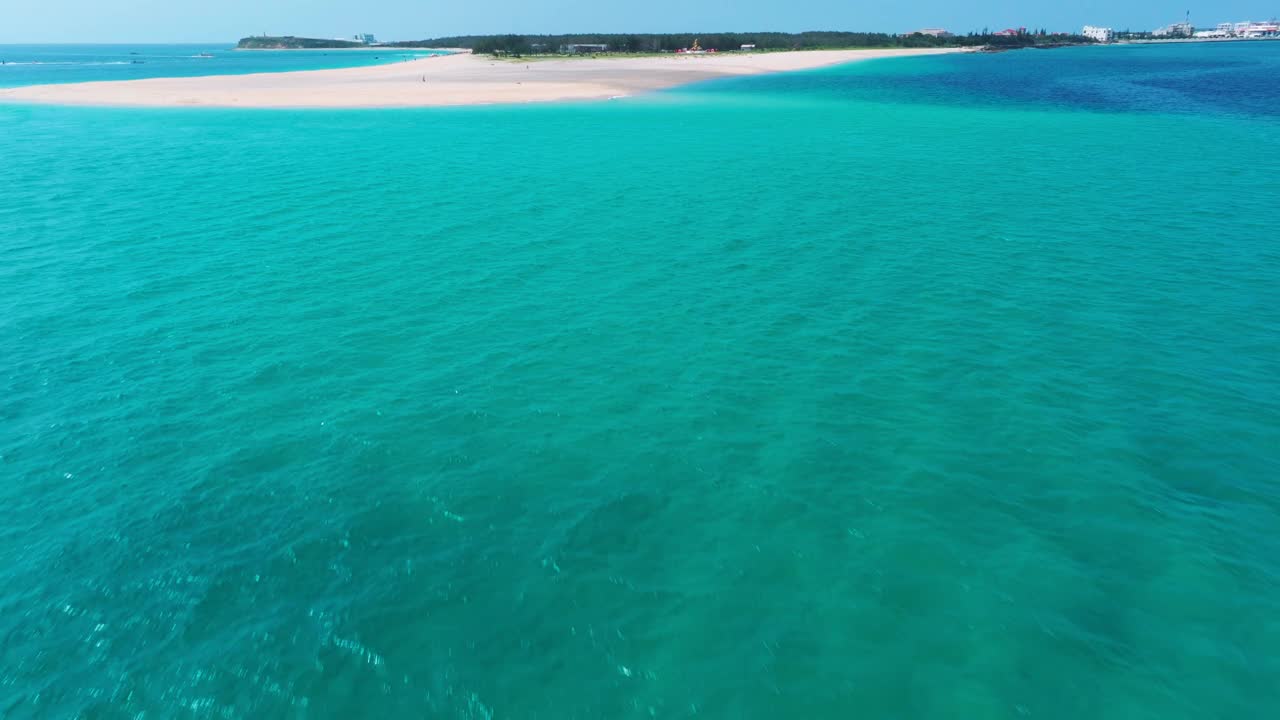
{"x": 50, "y": 64}
{"x": 919, "y": 388}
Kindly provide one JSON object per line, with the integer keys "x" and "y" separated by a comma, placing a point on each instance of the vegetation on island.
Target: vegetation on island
{"x": 289, "y": 42}
{"x": 1149, "y": 35}
{"x": 764, "y": 41}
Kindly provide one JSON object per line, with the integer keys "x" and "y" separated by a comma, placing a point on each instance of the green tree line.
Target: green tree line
{"x": 289, "y": 42}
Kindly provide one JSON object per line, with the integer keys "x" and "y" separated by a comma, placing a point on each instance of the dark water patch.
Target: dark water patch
{"x": 1222, "y": 78}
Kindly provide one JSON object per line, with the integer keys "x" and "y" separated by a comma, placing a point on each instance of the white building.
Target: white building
{"x": 1244, "y": 30}
{"x": 583, "y": 48}
{"x": 1182, "y": 29}
{"x": 1257, "y": 29}
{"x": 1098, "y": 34}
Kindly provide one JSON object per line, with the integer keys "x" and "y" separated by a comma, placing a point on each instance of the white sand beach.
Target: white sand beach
{"x": 460, "y": 79}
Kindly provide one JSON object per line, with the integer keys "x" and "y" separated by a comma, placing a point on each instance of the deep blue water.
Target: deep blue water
{"x": 46, "y": 64}
{"x": 1205, "y": 79}
{"x": 921, "y": 388}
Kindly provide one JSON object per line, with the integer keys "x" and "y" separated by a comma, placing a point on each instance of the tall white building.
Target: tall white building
{"x": 1099, "y": 34}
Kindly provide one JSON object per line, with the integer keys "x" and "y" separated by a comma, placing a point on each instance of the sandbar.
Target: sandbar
{"x": 442, "y": 80}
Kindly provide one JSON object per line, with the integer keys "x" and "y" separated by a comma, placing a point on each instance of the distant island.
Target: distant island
{"x": 289, "y": 42}
{"x": 1010, "y": 39}
{"x": 644, "y": 43}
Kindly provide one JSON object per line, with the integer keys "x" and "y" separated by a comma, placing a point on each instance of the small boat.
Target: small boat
{"x": 204, "y": 55}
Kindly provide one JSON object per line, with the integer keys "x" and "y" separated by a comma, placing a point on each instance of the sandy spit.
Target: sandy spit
{"x": 460, "y": 79}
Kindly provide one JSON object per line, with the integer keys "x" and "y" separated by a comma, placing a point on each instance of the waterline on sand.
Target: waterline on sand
{"x": 459, "y": 79}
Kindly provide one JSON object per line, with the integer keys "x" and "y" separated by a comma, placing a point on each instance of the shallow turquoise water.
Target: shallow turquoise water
{"x": 820, "y": 395}
{"x": 51, "y": 64}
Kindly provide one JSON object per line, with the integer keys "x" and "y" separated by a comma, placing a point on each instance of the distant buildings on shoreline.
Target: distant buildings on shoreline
{"x": 1098, "y": 34}
{"x": 1182, "y": 29}
{"x": 1248, "y": 30}
{"x": 361, "y": 37}
{"x": 583, "y": 48}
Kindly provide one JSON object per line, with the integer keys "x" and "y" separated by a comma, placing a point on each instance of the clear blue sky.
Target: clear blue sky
{"x": 228, "y": 20}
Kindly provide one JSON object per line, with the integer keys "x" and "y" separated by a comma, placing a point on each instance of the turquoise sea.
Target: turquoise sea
{"x": 941, "y": 387}
{"x": 47, "y": 64}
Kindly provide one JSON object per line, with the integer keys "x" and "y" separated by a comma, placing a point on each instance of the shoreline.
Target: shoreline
{"x": 1167, "y": 41}
{"x": 361, "y": 48}
{"x": 442, "y": 81}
